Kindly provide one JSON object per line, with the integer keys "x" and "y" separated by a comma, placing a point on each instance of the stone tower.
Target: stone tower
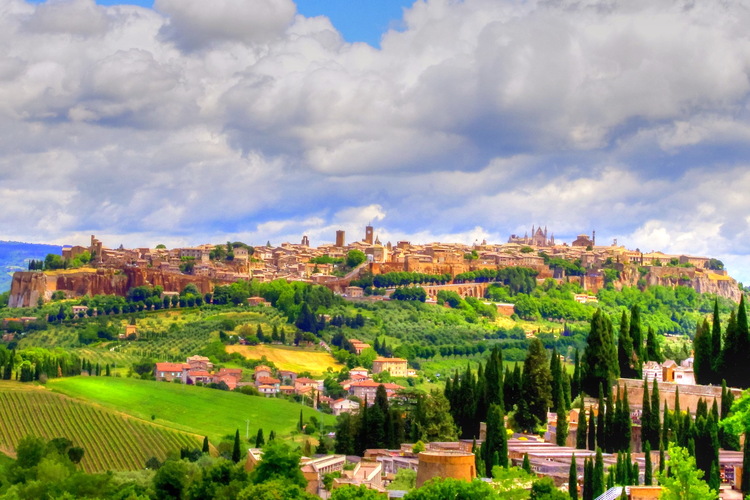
{"x": 369, "y": 235}
{"x": 340, "y": 238}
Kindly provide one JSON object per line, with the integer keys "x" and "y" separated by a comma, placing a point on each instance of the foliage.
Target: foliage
{"x": 441, "y": 488}
{"x": 361, "y": 492}
{"x": 683, "y": 479}
{"x": 279, "y": 462}
{"x": 406, "y": 479}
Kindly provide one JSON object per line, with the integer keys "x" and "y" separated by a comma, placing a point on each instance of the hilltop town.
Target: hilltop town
{"x": 97, "y": 269}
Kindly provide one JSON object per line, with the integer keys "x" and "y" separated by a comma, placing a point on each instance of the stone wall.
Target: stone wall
{"x": 457, "y": 465}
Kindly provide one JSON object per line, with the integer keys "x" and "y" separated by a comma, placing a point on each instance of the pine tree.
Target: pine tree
{"x": 236, "y": 453}
{"x": 599, "y": 362}
{"x": 573, "y": 479}
{"x": 702, "y": 364}
{"x": 648, "y": 474}
{"x": 205, "y": 445}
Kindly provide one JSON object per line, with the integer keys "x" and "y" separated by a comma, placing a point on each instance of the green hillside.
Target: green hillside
{"x": 198, "y": 410}
{"x": 111, "y": 441}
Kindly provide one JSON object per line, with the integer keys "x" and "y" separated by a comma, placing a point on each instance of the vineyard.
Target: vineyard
{"x": 111, "y": 441}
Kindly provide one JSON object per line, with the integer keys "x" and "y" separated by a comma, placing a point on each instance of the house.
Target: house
{"x": 170, "y": 371}
{"x": 288, "y": 375}
{"x": 230, "y": 376}
{"x": 396, "y": 366}
{"x": 262, "y": 371}
{"x": 358, "y": 346}
{"x": 267, "y": 381}
{"x": 200, "y": 363}
{"x": 286, "y": 389}
{"x": 359, "y": 371}
{"x": 197, "y": 377}
{"x": 368, "y": 388}
{"x": 653, "y": 370}
{"x": 304, "y": 385}
{"x": 268, "y": 390}
{"x": 684, "y": 376}
{"x": 355, "y": 292}
{"x": 77, "y": 310}
{"x": 344, "y": 406}
{"x": 258, "y": 301}
{"x": 667, "y": 369}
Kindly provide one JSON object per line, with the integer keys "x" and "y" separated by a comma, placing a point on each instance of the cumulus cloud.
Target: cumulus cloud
{"x": 206, "y": 121}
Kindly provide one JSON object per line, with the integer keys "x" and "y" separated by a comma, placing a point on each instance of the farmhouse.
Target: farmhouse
{"x": 396, "y": 366}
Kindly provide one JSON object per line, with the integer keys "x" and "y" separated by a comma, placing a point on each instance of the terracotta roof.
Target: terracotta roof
{"x": 262, "y": 367}
{"x": 305, "y": 380}
{"x": 268, "y": 380}
{"x": 169, "y": 367}
{"x": 199, "y": 373}
{"x": 392, "y": 360}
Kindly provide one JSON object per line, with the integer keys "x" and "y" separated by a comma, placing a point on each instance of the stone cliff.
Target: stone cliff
{"x": 28, "y": 287}
{"x": 700, "y": 280}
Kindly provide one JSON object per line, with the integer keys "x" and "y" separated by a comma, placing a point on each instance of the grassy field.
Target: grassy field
{"x": 198, "y": 410}
{"x": 289, "y": 358}
{"x": 111, "y": 441}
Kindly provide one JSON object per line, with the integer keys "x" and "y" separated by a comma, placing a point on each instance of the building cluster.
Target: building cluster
{"x": 302, "y": 262}
{"x": 198, "y": 370}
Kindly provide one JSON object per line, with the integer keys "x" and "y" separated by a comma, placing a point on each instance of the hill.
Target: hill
{"x": 112, "y": 441}
{"x": 14, "y": 256}
{"x": 210, "y": 412}
{"x": 289, "y": 358}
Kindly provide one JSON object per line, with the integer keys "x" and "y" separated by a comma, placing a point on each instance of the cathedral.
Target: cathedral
{"x": 538, "y": 238}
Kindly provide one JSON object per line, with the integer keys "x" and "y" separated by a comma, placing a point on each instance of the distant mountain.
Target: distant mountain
{"x": 15, "y": 256}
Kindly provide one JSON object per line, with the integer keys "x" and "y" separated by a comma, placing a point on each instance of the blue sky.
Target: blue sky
{"x": 357, "y": 20}
{"x": 206, "y": 121}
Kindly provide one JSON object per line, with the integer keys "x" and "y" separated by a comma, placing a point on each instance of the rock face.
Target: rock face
{"x": 28, "y": 286}
{"x": 702, "y": 281}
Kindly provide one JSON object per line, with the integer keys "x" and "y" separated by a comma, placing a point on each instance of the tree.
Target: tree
{"x": 355, "y": 258}
{"x": 535, "y": 387}
{"x": 30, "y": 451}
{"x": 438, "y": 423}
{"x": 236, "y": 453}
{"x": 526, "y": 465}
{"x": 716, "y": 343}
{"x": 361, "y": 492}
{"x": 279, "y": 462}
{"x": 683, "y": 480}
{"x": 653, "y": 351}
{"x": 170, "y": 479}
{"x": 205, "y": 445}
{"x": 636, "y": 335}
{"x": 625, "y": 349}
{"x": 648, "y": 473}
{"x": 496, "y": 443}
{"x": 573, "y": 479}
{"x": 702, "y": 362}
{"x": 545, "y": 489}
{"x": 598, "y": 479}
{"x": 561, "y": 436}
{"x": 439, "y": 488}
{"x": 581, "y": 429}
{"x": 259, "y": 440}
{"x": 599, "y": 362}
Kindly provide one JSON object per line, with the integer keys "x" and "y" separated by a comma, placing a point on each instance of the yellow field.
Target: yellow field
{"x": 289, "y": 358}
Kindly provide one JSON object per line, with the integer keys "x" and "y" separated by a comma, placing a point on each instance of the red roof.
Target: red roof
{"x": 199, "y": 373}
{"x": 262, "y": 367}
{"x": 268, "y": 380}
{"x": 305, "y": 380}
{"x": 231, "y": 371}
{"x": 168, "y": 367}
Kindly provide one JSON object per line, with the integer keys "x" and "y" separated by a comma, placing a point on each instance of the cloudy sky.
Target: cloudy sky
{"x": 191, "y": 121}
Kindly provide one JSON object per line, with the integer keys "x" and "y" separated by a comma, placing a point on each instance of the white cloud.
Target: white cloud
{"x": 232, "y": 119}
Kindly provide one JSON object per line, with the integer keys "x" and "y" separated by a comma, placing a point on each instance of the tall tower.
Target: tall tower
{"x": 340, "y": 238}
{"x": 305, "y": 241}
{"x": 368, "y": 235}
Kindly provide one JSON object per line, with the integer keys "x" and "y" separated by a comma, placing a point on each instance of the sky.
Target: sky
{"x": 186, "y": 121}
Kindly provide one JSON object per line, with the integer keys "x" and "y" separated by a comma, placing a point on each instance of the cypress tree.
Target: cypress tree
{"x": 636, "y": 337}
{"x": 592, "y": 430}
{"x": 661, "y": 460}
{"x": 236, "y": 453}
{"x": 742, "y": 374}
{"x": 497, "y": 440}
{"x": 728, "y": 440}
{"x": 588, "y": 479}
{"x": 205, "y": 445}
{"x": 655, "y": 425}
{"x": 556, "y": 373}
{"x": 535, "y": 388}
{"x": 601, "y": 428}
{"x": 625, "y": 425}
{"x": 259, "y": 440}
{"x": 634, "y": 474}
{"x": 716, "y": 344}
{"x": 746, "y": 465}
{"x": 566, "y": 383}
{"x": 610, "y": 432}
{"x": 599, "y": 362}
{"x": 730, "y": 355}
{"x": 573, "y": 479}
{"x": 575, "y": 386}
{"x": 702, "y": 363}
{"x": 526, "y": 464}
{"x": 646, "y": 431}
{"x": 561, "y": 436}
{"x": 625, "y": 349}
{"x": 581, "y": 439}
{"x": 598, "y": 481}
{"x": 610, "y": 478}
{"x": 714, "y": 480}
{"x": 648, "y": 474}
{"x": 653, "y": 351}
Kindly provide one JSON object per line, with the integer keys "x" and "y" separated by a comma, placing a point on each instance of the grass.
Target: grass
{"x": 289, "y": 358}
{"x": 111, "y": 441}
{"x": 199, "y": 410}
